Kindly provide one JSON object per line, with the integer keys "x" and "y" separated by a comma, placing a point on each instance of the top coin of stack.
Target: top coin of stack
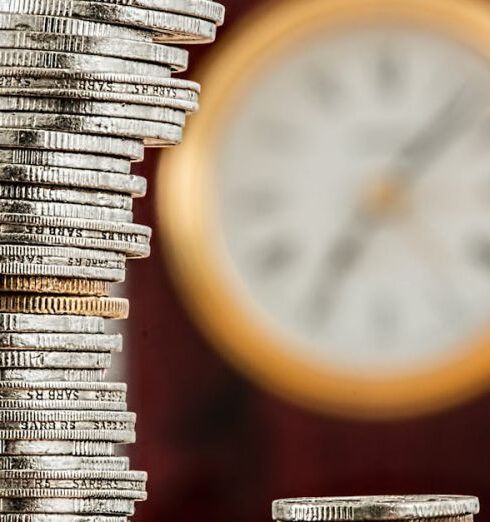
{"x": 84, "y": 86}
{"x": 393, "y": 508}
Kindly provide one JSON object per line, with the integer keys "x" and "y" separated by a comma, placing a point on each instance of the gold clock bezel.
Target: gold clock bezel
{"x": 186, "y": 210}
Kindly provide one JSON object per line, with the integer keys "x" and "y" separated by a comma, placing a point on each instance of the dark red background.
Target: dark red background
{"x": 219, "y": 449}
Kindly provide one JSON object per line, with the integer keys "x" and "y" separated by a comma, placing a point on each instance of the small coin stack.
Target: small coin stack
{"x": 84, "y": 86}
{"x": 415, "y": 508}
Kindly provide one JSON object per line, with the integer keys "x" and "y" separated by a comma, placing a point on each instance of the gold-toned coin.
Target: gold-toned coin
{"x": 106, "y": 307}
{"x": 54, "y": 285}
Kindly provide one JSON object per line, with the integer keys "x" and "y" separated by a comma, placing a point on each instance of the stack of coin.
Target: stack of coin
{"x": 415, "y": 508}
{"x": 84, "y": 86}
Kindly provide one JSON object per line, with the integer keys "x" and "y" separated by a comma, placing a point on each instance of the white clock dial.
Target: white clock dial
{"x": 354, "y": 198}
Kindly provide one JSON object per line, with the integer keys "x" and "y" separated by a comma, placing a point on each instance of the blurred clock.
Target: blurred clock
{"x": 328, "y": 218}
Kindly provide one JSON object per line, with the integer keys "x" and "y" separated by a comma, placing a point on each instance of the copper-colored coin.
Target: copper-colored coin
{"x": 53, "y": 285}
{"x": 106, "y": 307}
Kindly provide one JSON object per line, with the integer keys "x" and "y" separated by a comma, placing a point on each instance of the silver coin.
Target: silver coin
{"x": 373, "y": 508}
{"x": 68, "y": 375}
{"x": 113, "y": 275}
{"x": 17, "y": 404}
{"x": 72, "y": 26}
{"x": 48, "y": 448}
{"x": 79, "y": 62}
{"x": 19, "y": 488}
{"x": 113, "y": 483}
{"x": 132, "y": 245}
{"x": 22, "y": 487}
{"x": 72, "y": 494}
{"x": 137, "y": 477}
{"x": 169, "y": 26}
{"x": 83, "y": 271}
{"x": 171, "y": 88}
{"x": 58, "y": 432}
{"x": 173, "y": 57}
{"x": 17, "y": 323}
{"x": 61, "y": 341}
{"x": 68, "y": 505}
{"x": 206, "y": 9}
{"x": 67, "y": 106}
{"x": 131, "y": 239}
{"x": 61, "y": 518}
{"x": 64, "y": 210}
{"x": 108, "y": 97}
{"x": 166, "y": 133}
{"x": 72, "y": 177}
{"x": 135, "y": 248}
{"x": 33, "y": 255}
{"x": 69, "y": 142}
{"x": 52, "y": 462}
{"x": 79, "y": 224}
{"x": 101, "y": 420}
{"x": 64, "y": 391}
{"x": 51, "y": 360}
{"x": 58, "y": 161}
{"x": 64, "y": 195}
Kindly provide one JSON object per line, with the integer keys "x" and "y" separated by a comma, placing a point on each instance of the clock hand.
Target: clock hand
{"x": 440, "y": 131}
{"x": 337, "y": 262}
{"x": 415, "y": 156}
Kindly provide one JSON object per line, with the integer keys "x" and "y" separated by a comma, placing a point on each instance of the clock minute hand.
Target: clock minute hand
{"x": 441, "y": 130}
{"x": 340, "y": 258}
{"x": 337, "y": 262}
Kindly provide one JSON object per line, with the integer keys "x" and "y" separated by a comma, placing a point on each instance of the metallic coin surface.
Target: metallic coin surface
{"x": 67, "y": 106}
{"x": 81, "y": 483}
{"x": 130, "y": 239}
{"x": 69, "y": 26}
{"x": 53, "y": 375}
{"x": 60, "y": 518}
{"x": 173, "y": 57}
{"x": 37, "y": 59}
{"x": 206, "y": 9}
{"x": 51, "y": 359}
{"x": 51, "y": 391}
{"x": 14, "y": 404}
{"x": 72, "y": 177}
{"x": 69, "y": 142}
{"x": 83, "y": 224}
{"x": 66, "y": 210}
{"x": 53, "y": 285}
{"x": 153, "y": 101}
{"x": 68, "y": 505}
{"x": 65, "y": 195}
{"x": 137, "y": 477}
{"x": 85, "y": 85}
{"x": 48, "y": 462}
{"x": 58, "y": 494}
{"x": 28, "y": 78}
{"x": 135, "y": 247}
{"x": 49, "y": 448}
{"x": 115, "y": 434}
{"x": 26, "y": 323}
{"x": 13, "y": 159}
{"x": 58, "y": 271}
{"x": 60, "y": 256}
{"x": 107, "y": 307}
{"x": 73, "y": 342}
{"x": 170, "y": 27}
{"x": 373, "y": 508}
{"x": 166, "y": 133}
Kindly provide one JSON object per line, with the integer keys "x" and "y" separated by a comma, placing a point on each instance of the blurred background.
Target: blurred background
{"x": 359, "y": 242}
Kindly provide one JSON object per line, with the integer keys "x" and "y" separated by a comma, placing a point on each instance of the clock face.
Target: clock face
{"x": 328, "y": 217}
{"x": 353, "y": 191}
